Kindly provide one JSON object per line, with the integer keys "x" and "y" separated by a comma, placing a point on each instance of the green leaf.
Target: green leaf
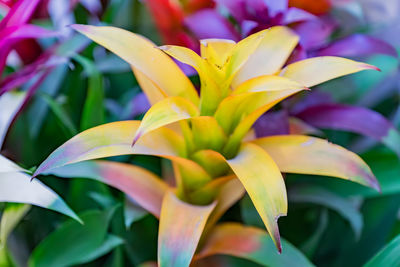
{"x": 310, "y": 246}
{"x": 12, "y": 214}
{"x": 388, "y": 256}
{"x": 62, "y": 116}
{"x": 132, "y": 212}
{"x": 320, "y": 196}
{"x": 5, "y": 258}
{"x": 380, "y": 216}
{"x": 17, "y": 187}
{"x": 75, "y": 243}
{"x": 38, "y": 108}
{"x": 93, "y": 111}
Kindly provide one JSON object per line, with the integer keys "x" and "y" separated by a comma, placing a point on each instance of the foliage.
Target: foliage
{"x": 239, "y": 118}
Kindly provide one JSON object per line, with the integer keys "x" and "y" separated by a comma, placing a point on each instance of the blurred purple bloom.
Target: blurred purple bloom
{"x": 357, "y": 45}
{"x": 314, "y": 98}
{"x": 208, "y": 23}
{"x": 140, "y": 105}
{"x": 354, "y": 119}
{"x": 315, "y": 33}
{"x": 272, "y": 123}
{"x": 254, "y": 15}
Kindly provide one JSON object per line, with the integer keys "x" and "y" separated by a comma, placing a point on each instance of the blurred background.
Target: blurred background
{"x": 55, "y": 83}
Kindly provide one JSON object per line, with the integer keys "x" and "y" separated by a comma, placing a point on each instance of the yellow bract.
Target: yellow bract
{"x": 239, "y": 82}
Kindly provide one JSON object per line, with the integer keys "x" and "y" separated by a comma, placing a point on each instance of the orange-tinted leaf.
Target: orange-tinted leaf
{"x": 311, "y": 155}
{"x": 114, "y": 139}
{"x": 146, "y": 188}
{"x": 250, "y": 243}
{"x": 181, "y": 225}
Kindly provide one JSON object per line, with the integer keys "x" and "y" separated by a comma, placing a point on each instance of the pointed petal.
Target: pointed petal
{"x": 313, "y": 71}
{"x": 248, "y": 112}
{"x": 144, "y": 56}
{"x": 7, "y": 165}
{"x": 210, "y": 93}
{"x": 113, "y": 139}
{"x": 250, "y": 243}
{"x": 10, "y": 103}
{"x": 146, "y": 188}
{"x": 271, "y": 54}
{"x": 185, "y": 55}
{"x": 242, "y": 51}
{"x": 165, "y": 112}
{"x": 252, "y": 94}
{"x": 181, "y": 225}
{"x": 17, "y": 187}
{"x": 310, "y": 155}
{"x": 267, "y": 83}
{"x": 216, "y": 50}
{"x": 264, "y": 183}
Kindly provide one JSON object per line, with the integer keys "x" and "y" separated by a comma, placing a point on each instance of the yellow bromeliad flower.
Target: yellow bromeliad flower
{"x": 208, "y": 136}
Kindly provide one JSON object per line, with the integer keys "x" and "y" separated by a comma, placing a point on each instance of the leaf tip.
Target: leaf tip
{"x": 136, "y": 138}
{"x": 164, "y": 47}
{"x": 277, "y": 241}
{"x": 34, "y": 175}
{"x": 371, "y": 67}
{"x": 371, "y": 181}
{"x": 276, "y": 237}
{"x": 79, "y": 27}
{"x": 78, "y": 219}
{"x": 375, "y": 185}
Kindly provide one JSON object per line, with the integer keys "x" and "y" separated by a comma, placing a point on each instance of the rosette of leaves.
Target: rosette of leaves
{"x": 208, "y": 138}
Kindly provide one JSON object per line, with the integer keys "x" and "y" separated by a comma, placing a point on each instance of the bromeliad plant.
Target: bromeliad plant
{"x": 208, "y": 137}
